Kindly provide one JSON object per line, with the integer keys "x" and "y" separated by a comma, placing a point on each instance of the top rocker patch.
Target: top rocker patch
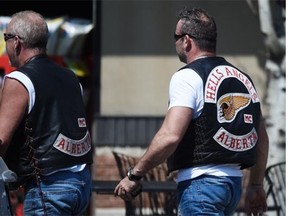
{"x": 218, "y": 75}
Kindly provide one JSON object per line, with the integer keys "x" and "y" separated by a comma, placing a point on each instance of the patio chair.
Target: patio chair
{"x": 147, "y": 203}
{"x": 275, "y": 176}
{"x": 275, "y": 187}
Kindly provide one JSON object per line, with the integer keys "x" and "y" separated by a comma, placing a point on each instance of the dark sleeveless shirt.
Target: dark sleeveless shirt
{"x": 226, "y": 130}
{"x": 54, "y": 134}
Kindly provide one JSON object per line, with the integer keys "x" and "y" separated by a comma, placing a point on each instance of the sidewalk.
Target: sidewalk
{"x": 109, "y": 212}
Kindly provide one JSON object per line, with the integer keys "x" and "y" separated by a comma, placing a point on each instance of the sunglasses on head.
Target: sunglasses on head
{"x": 177, "y": 37}
{"x": 8, "y": 36}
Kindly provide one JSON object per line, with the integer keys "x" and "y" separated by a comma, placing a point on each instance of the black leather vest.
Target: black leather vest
{"x": 54, "y": 134}
{"x": 226, "y": 130}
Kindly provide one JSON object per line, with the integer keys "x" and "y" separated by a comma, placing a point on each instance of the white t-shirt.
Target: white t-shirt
{"x": 186, "y": 90}
{"x": 25, "y": 80}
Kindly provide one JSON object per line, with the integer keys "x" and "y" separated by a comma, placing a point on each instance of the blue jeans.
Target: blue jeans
{"x": 209, "y": 195}
{"x": 62, "y": 193}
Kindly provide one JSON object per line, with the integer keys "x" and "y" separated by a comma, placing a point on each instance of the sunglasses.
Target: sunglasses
{"x": 8, "y": 36}
{"x": 177, "y": 37}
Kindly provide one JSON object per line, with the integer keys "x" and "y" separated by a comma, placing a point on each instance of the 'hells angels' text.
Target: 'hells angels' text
{"x": 221, "y": 73}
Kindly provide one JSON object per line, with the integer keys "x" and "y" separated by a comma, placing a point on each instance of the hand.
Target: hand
{"x": 255, "y": 201}
{"x": 127, "y": 189}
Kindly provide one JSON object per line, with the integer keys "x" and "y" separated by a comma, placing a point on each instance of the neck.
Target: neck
{"x": 200, "y": 55}
{"x": 32, "y": 57}
{"x": 27, "y": 56}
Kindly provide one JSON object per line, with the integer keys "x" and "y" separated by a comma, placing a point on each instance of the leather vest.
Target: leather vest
{"x": 226, "y": 130}
{"x": 54, "y": 134}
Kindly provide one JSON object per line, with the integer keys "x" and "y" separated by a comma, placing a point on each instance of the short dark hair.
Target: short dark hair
{"x": 200, "y": 26}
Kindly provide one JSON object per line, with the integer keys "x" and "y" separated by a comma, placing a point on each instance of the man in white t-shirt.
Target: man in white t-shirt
{"x": 212, "y": 130}
{"x": 43, "y": 133}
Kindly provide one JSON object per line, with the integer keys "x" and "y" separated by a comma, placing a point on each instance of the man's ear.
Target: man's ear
{"x": 188, "y": 43}
{"x": 17, "y": 46}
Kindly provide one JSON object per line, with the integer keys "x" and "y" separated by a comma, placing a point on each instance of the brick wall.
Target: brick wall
{"x": 105, "y": 168}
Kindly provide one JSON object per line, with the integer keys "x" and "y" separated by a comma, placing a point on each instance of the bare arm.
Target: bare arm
{"x": 166, "y": 139}
{"x": 258, "y": 170}
{"x": 161, "y": 147}
{"x": 13, "y": 105}
{"x": 255, "y": 199}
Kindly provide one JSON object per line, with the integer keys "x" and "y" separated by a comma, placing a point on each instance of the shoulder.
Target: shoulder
{"x": 187, "y": 72}
{"x": 21, "y": 77}
{"x": 16, "y": 75}
{"x": 186, "y": 75}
